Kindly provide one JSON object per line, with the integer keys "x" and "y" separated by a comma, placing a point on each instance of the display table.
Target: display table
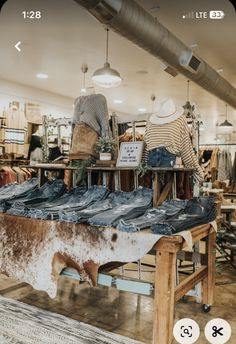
{"x": 51, "y": 167}
{"x": 167, "y": 293}
{"x": 158, "y": 197}
{"x": 228, "y": 210}
{"x": 230, "y": 195}
{"x": 48, "y": 247}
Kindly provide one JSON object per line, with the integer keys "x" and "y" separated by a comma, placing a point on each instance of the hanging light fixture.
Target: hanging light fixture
{"x": 226, "y": 126}
{"x": 107, "y": 76}
{"x": 84, "y": 69}
{"x": 189, "y": 109}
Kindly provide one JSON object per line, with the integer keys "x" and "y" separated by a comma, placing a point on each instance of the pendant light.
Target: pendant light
{"x": 84, "y": 69}
{"x": 187, "y": 106}
{"x": 226, "y": 126}
{"x": 107, "y": 77}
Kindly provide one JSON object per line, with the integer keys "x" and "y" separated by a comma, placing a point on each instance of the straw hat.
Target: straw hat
{"x": 166, "y": 112}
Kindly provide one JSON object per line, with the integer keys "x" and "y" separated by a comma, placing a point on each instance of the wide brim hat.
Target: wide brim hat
{"x": 167, "y": 111}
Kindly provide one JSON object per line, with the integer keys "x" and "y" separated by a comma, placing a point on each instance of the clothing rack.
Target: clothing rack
{"x": 133, "y": 124}
{"x": 58, "y": 123}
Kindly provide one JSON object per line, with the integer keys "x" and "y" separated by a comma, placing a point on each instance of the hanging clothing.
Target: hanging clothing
{"x": 214, "y": 164}
{"x": 92, "y": 110}
{"x": 234, "y": 169}
{"x": 15, "y": 131}
{"x": 13, "y": 174}
{"x": 7, "y": 175}
{"x": 175, "y": 137}
{"x": 2, "y": 129}
{"x": 35, "y": 142}
{"x": 225, "y": 166}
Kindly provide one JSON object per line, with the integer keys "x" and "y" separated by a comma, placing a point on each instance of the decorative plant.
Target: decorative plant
{"x": 142, "y": 169}
{"x": 106, "y": 145}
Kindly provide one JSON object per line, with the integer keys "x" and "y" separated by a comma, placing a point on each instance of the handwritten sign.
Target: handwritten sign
{"x": 130, "y": 154}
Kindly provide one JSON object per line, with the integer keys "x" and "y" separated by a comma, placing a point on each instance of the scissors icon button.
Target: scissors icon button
{"x": 217, "y": 331}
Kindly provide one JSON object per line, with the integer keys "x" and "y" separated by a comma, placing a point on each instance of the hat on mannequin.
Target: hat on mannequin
{"x": 166, "y": 112}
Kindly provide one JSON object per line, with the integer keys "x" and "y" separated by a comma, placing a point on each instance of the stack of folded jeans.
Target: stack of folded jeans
{"x": 50, "y": 209}
{"x": 197, "y": 211}
{"x": 138, "y": 202}
{"x": 152, "y": 216}
{"x": 15, "y": 191}
{"x": 48, "y": 192}
{"x": 92, "y": 195}
{"x": 114, "y": 199}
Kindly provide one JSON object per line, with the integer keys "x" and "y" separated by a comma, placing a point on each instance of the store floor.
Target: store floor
{"x": 125, "y": 313}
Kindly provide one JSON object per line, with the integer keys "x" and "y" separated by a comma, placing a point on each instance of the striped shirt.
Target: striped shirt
{"x": 15, "y": 131}
{"x": 92, "y": 110}
{"x": 175, "y": 137}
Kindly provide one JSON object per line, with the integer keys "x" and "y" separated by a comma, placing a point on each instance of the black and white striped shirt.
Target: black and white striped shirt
{"x": 175, "y": 137}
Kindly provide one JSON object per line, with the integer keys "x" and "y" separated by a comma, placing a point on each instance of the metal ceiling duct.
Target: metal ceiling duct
{"x": 130, "y": 20}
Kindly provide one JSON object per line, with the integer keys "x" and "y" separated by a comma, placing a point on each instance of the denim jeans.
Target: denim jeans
{"x": 11, "y": 193}
{"x": 14, "y": 191}
{"x": 135, "y": 206}
{"x": 48, "y": 192}
{"x": 92, "y": 195}
{"x": 78, "y": 200}
{"x": 198, "y": 211}
{"x": 160, "y": 157}
{"x": 151, "y": 216}
{"x": 48, "y": 210}
{"x": 113, "y": 200}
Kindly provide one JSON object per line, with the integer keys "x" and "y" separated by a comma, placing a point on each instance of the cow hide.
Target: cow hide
{"x": 36, "y": 251}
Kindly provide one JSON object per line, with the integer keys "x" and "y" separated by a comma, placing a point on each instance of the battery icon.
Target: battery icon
{"x": 218, "y": 14}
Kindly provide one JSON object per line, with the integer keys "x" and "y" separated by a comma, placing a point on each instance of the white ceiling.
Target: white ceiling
{"x": 68, "y": 36}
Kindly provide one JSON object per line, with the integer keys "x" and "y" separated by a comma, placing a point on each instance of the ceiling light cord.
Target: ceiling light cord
{"x": 107, "y": 30}
{"x": 107, "y": 76}
{"x": 226, "y": 111}
{"x": 188, "y": 82}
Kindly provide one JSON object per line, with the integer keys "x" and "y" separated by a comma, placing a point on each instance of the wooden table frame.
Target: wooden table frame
{"x": 158, "y": 197}
{"x": 166, "y": 291}
{"x": 51, "y": 167}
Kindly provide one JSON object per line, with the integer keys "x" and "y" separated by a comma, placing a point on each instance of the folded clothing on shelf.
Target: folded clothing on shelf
{"x": 113, "y": 199}
{"x": 12, "y": 192}
{"x": 92, "y": 195}
{"x": 173, "y": 216}
{"x": 48, "y": 192}
{"x": 151, "y": 216}
{"x": 50, "y": 209}
{"x": 135, "y": 205}
{"x": 198, "y": 211}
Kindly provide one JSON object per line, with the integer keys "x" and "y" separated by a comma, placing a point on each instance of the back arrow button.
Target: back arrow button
{"x": 17, "y": 46}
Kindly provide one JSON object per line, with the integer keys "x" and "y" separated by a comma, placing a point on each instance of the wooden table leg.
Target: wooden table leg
{"x": 89, "y": 174}
{"x": 117, "y": 181}
{"x": 156, "y": 189}
{"x": 41, "y": 177}
{"x": 164, "y": 297}
{"x": 209, "y": 281}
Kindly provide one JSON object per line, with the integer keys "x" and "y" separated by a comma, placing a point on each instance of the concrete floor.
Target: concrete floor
{"x": 124, "y": 313}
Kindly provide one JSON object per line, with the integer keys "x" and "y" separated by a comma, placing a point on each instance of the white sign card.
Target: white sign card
{"x": 130, "y": 154}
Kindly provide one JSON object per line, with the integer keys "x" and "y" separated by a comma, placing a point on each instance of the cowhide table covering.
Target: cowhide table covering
{"x": 36, "y": 251}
